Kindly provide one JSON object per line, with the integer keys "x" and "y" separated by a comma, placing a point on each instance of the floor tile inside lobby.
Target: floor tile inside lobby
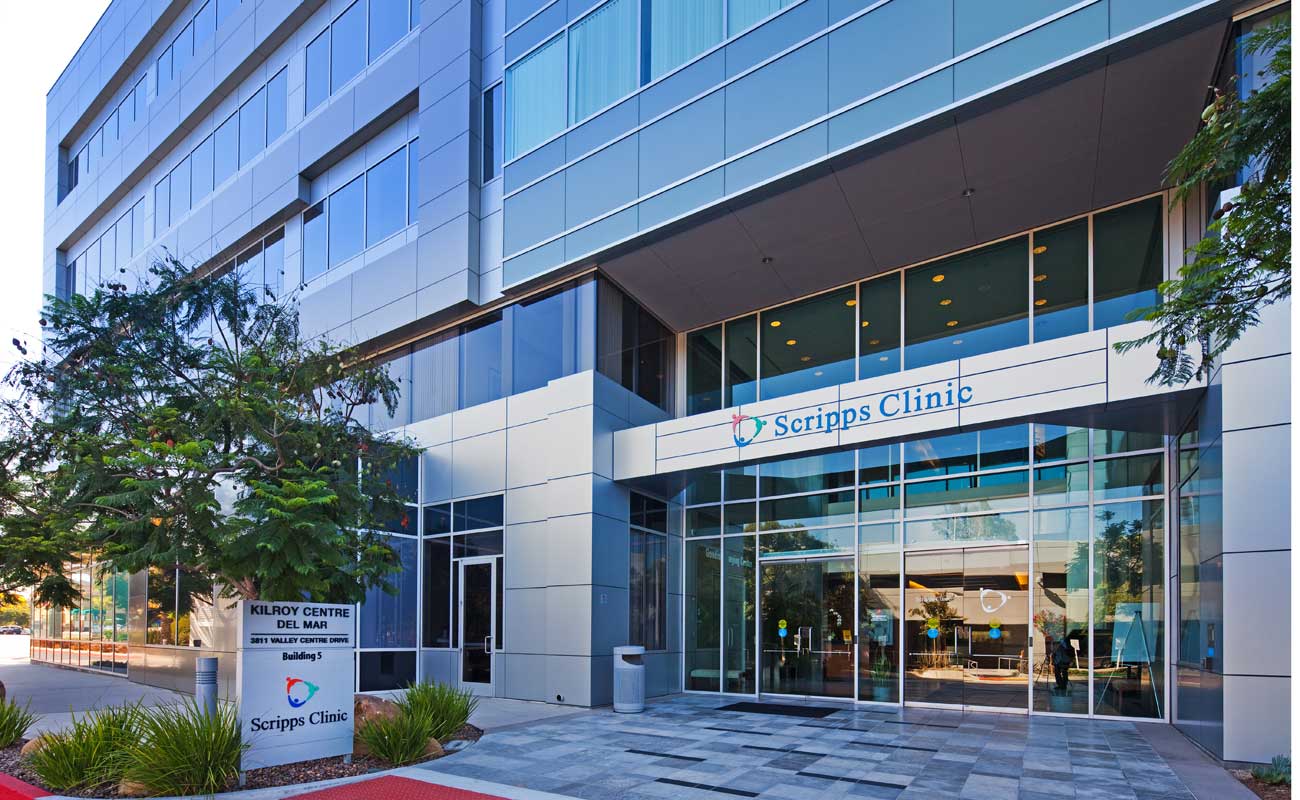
{"x": 686, "y": 747}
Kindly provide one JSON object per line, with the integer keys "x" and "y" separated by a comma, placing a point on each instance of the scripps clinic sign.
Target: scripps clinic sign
{"x": 296, "y": 674}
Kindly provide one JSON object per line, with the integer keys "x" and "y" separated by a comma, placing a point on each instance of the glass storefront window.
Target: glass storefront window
{"x": 741, "y": 517}
{"x": 739, "y": 482}
{"x": 437, "y": 592}
{"x": 807, "y": 344}
{"x": 1128, "y": 260}
{"x": 972, "y": 303}
{"x": 806, "y": 511}
{"x": 1059, "y": 443}
{"x": 1064, "y": 484}
{"x": 1060, "y": 271}
{"x": 160, "y": 620}
{"x": 983, "y": 528}
{"x": 1106, "y": 442}
{"x": 387, "y": 617}
{"x": 706, "y": 521}
{"x": 1128, "y": 628}
{"x": 1134, "y": 476}
{"x": 877, "y": 503}
{"x": 1061, "y": 610}
{"x": 806, "y": 474}
{"x": 742, "y": 360}
{"x": 738, "y": 614}
{"x": 775, "y": 543}
{"x": 703, "y": 600}
{"x": 878, "y": 464}
{"x": 879, "y": 326}
{"x": 969, "y": 493}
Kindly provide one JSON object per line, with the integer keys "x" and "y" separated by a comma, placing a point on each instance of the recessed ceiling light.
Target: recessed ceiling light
{"x": 805, "y": 358}
{"x": 1040, "y": 301}
{"x": 937, "y": 278}
{"x": 1040, "y": 277}
{"x": 874, "y": 342}
{"x": 850, "y": 303}
{"x": 947, "y": 301}
{"x": 776, "y": 323}
{"x": 792, "y": 342}
{"x": 956, "y": 341}
{"x": 884, "y": 358}
{"x": 1039, "y": 250}
{"x": 818, "y": 373}
{"x": 866, "y": 322}
{"x": 952, "y": 323}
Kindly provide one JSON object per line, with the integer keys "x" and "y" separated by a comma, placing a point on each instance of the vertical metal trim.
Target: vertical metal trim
{"x": 1033, "y": 518}
{"x": 857, "y": 359}
{"x": 902, "y": 323}
{"x": 1091, "y": 326}
{"x": 1032, "y": 299}
{"x": 1092, "y": 566}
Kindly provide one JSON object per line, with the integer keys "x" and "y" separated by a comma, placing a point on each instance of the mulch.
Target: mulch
{"x": 1267, "y": 791}
{"x": 321, "y": 769}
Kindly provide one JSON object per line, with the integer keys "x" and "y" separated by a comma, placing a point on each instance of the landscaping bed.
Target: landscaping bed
{"x": 1267, "y": 791}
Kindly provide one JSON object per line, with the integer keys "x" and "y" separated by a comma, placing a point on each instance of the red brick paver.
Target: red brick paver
{"x": 392, "y": 787}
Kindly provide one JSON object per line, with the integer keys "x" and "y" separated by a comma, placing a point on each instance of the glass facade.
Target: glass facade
{"x": 975, "y": 302}
{"x": 91, "y": 635}
{"x": 1017, "y": 567}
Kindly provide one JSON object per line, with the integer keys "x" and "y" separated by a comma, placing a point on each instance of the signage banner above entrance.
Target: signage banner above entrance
{"x": 1073, "y": 372}
{"x": 296, "y": 677}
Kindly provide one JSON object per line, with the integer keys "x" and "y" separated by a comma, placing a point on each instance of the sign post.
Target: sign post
{"x": 296, "y": 677}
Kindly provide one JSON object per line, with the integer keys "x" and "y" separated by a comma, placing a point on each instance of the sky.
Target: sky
{"x": 37, "y": 39}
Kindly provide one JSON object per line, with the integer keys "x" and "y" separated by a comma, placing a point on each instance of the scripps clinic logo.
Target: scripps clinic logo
{"x": 745, "y": 429}
{"x": 299, "y": 691}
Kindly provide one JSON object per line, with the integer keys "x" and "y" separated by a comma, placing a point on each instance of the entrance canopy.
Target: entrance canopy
{"x": 1087, "y": 134}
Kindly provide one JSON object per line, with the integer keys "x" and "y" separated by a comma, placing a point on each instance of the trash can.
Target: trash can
{"x": 629, "y": 679}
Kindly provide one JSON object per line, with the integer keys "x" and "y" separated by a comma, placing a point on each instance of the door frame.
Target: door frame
{"x": 1029, "y": 643}
{"x": 481, "y": 689}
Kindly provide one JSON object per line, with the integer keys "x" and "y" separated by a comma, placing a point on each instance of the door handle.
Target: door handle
{"x": 487, "y": 648}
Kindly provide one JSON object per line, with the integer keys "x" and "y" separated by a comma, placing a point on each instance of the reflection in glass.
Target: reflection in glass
{"x": 985, "y": 528}
{"x": 805, "y": 474}
{"x": 976, "y": 302}
{"x": 346, "y": 219}
{"x": 815, "y": 510}
{"x": 1128, "y": 628}
{"x": 742, "y": 360}
{"x": 252, "y": 127}
{"x": 437, "y": 590}
{"x": 480, "y": 360}
{"x": 738, "y": 614}
{"x": 807, "y": 344}
{"x": 702, "y": 601}
{"x": 1064, "y": 484}
{"x": 824, "y": 541}
{"x": 967, "y": 494}
{"x": 347, "y": 45}
{"x": 1059, "y": 443}
{"x": 1061, "y": 611}
{"x": 879, "y": 327}
{"x": 388, "y": 620}
{"x": 806, "y": 629}
{"x": 1135, "y": 476}
{"x": 1061, "y": 280}
{"x": 386, "y": 198}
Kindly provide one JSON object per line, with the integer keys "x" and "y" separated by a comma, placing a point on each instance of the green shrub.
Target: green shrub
{"x": 1276, "y": 773}
{"x": 14, "y": 722}
{"x": 399, "y": 740}
{"x": 443, "y": 708}
{"x": 92, "y": 752}
{"x": 184, "y": 750}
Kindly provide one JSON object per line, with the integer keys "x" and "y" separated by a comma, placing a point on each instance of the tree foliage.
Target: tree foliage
{"x": 1243, "y": 263}
{"x": 186, "y": 422}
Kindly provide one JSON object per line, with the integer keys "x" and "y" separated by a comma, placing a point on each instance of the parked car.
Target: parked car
{"x": 11, "y": 629}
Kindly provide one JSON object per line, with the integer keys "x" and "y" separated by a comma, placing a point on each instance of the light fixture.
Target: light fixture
{"x": 937, "y": 278}
{"x": 776, "y": 323}
{"x": 952, "y": 323}
{"x": 1040, "y": 277}
{"x": 1040, "y": 249}
{"x": 874, "y": 342}
{"x": 805, "y": 359}
{"x": 850, "y": 303}
{"x": 818, "y": 374}
{"x": 1042, "y": 301}
{"x": 866, "y": 322}
{"x": 884, "y": 358}
{"x": 792, "y": 342}
{"x": 947, "y": 301}
{"x": 956, "y": 341}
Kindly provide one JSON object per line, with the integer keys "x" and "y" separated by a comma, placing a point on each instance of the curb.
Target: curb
{"x": 13, "y": 789}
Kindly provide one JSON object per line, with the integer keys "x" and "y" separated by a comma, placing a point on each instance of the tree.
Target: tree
{"x": 1243, "y": 263}
{"x": 186, "y": 423}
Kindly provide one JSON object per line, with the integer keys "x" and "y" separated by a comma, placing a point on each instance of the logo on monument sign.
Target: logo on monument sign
{"x": 305, "y": 690}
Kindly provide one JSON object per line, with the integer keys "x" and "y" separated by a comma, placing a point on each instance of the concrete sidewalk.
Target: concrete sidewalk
{"x": 56, "y": 693}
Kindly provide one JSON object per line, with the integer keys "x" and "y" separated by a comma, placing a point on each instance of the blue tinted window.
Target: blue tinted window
{"x": 225, "y": 157}
{"x": 180, "y": 189}
{"x": 345, "y": 221}
{"x": 388, "y": 620}
{"x": 602, "y": 58}
{"x": 679, "y": 30}
{"x": 492, "y": 146}
{"x": 1061, "y": 280}
{"x": 434, "y": 377}
{"x": 386, "y": 198}
{"x": 808, "y": 344}
{"x": 879, "y": 326}
{"x": 481, "y": 350}
{"x": 743, "y": 13}
{"x": 548, "y": 340}
{"x": 1128, "y": 258}
{"x": 535, "y": 98}
{"x": 347, "y": 45}
{"x": 412, "y": 180}
{"x": 201, "y": 171}
{"x": 415, "y": 13}
{"x": 277, "y": 105}
{"x": 138, "y": 237}
{"x": 182, "y": 50}
{"x": 205, "y": 23}
{"x": 252, "y": 127}
{"x": 162, "y": 206}
{"x": 273, "y": 256}
{"x": 313, "y": 241}
{"x": 387, "y": 24}
{"x": 163, "y": 68}
{"x": 124, "y": 239}
{"x": 318, "y": 70}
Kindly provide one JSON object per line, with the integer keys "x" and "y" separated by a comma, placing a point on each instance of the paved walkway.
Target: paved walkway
{"x": 688, "y": 748}
{"x": 56, "y": 693}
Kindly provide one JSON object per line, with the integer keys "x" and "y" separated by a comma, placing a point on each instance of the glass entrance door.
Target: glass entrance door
{"x": 806, "y": 627}
{"x": 478, "y": 614}
{"x": 967, "y": 627}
